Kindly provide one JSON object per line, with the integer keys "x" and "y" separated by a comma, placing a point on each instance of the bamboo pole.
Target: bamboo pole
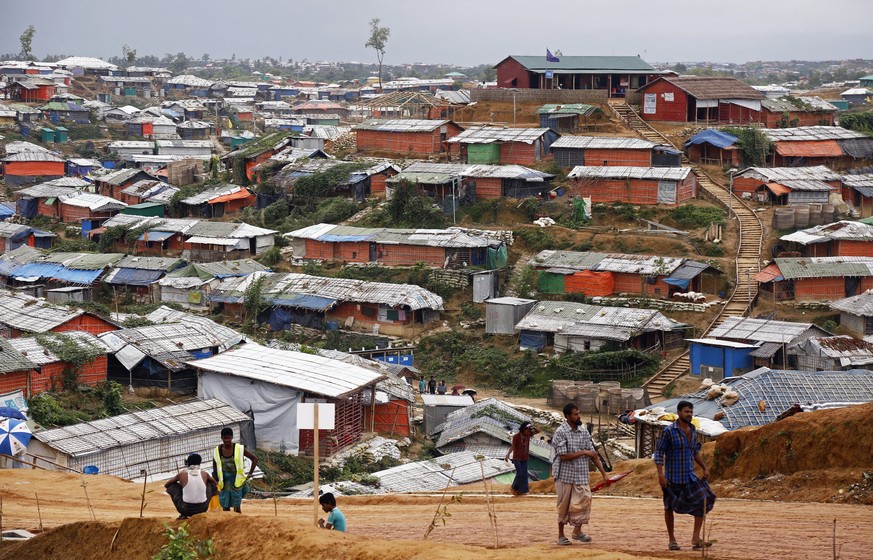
{"x": 38, "y": 512}
{"x": 315, "y": 462}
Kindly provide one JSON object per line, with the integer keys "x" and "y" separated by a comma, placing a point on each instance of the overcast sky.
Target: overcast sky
{"x": 465, "y": 33}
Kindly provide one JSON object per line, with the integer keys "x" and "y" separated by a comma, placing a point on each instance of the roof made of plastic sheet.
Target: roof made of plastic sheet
{"x": 190, "y": 81}
{"x": 279, "y": 286}
{"x": 602, "y": 143}
{"x": 32, "y": 156}
{"x": 88, "y": 62}
{"x": 149, "y": 263}
{"x": 847, "y": 351}
{"x": 41, "y": 355}
{"x": 12, "y": 360}
{"x": 569, "y": 109}
{"x": 717, "y": 138}
{"x": 487, "y": 134}
{"x": 83, "y": 261}
{"x": 139, "y": 427}
{"x": 817, "y": 148}
{"x": 218, "y": 269}
{"x": 298, "y": 370}
{"x": 781, "y": 174}
{"x": 810, "y": 133}
{"x": 770, "y": 273}
{"x": 14, "y": 231}
{"x": 29, "y": 314}
{"x": 209, "y": 194}
{"x": 779, "y": 390}
{"x": 401, "y": 125}
{"x": 93, "y": 202}
{"x": 594, "y": 321}
{"x": 760, "y": 330}
{"x": 859, "y": 148}
{"x": 618, "y": 172}
{"x": 456, "y": 97}
{"x": 17, "y": 257}
{"x": 824, "y": 267}
{"x": 133, "y": 276}
{"x": 861, "y": 305}
{"x": 18, "y": 146}
{"x": 809, "y": 185}
{"x": 48, "y": 191}
{"x": 452, "y": 237}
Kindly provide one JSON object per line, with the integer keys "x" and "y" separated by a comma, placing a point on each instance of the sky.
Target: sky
{"x": 462, "y": 33}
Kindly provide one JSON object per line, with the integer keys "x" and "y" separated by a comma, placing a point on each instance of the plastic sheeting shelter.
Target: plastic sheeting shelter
{"x": 590, "y": 283}
{"x": 716, "y": 138}
{"x": 550, "y": 282}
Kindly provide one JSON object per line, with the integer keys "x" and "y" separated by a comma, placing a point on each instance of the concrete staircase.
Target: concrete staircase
{"x": 750, "y": 244}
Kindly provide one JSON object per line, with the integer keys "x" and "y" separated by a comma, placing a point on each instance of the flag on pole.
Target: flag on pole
{"x": 550, "y": 57}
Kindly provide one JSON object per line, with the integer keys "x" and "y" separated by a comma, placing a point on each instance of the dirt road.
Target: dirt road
{"x": 743, "y": 529}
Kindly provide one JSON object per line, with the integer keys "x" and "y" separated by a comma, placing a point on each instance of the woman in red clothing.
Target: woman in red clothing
{"x": 520, "y": 451}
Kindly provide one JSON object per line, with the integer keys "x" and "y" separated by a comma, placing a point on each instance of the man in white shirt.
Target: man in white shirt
{"x": 191, "y": 488}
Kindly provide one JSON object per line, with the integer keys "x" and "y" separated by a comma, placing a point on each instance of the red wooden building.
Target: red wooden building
{"x": 635, "y": 185}
{"x": 816, "y": 278}
{"x": 21, "y": 314}
{"x": 700, "y": 99}
{"x": 522, "y": 146}
{"x": 31, "y": 90}
{"x": 570, "y": 151}
{"x": 797, "y": 111}
{"x": 406, "y": 136}
{"x": 833, "y": 146}
{"x": 788, "y": 185}
{"x": 615, "y": 75}
{"x": 88, "y": 207}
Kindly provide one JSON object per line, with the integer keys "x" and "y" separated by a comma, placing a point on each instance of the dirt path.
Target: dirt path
{"x": 743, "y": 529}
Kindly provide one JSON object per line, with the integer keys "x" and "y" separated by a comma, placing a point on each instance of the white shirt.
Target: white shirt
{"x": 195, "y": 491}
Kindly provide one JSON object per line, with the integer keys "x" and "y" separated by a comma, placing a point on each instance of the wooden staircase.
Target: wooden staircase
{"x": 749, "y": 246}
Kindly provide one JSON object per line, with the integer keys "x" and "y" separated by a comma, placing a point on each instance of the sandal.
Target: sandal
{"x": 582, "y": 537}
{"x": 673, "y": 546}
{"x": 563, "y": 541}
{"x": 700, "y": 545}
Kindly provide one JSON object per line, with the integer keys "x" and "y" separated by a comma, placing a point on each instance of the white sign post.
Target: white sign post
{"x": 315, "y": 416}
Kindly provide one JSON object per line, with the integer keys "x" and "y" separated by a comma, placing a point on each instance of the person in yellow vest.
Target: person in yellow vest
{"x": 229, "y": 467}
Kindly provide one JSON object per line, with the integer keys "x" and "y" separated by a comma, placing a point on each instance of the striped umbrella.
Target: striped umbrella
{"x": 14, "y": 436}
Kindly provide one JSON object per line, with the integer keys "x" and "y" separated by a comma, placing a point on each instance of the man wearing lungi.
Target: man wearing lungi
{"x": 675, "y": 454}
{"x": 573, "y": 448}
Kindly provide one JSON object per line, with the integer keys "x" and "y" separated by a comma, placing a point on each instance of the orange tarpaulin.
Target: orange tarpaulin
{"x": 817, "y": 148}
{"x": 590, "y": 283}
{"x": 392, "y": 418}
{"x": 238, "y": 195}
{"x": 778, "y": 189}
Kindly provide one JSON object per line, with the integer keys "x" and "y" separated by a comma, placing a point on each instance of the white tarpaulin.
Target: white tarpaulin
{"x": 273, "y": 407}
{"x": 650, "y": 103}
{"x": 667, "y": 192}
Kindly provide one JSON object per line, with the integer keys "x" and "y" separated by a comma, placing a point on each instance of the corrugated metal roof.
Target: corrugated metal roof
{"x": 209, "y": 194}
{"x": 712, "y": 87}
{"x": 569, "y": 109}
{"x": 452, "y": 237}
{"x": 48, "y": 191}
{"x": 603, "y": 143}
{"x": 847, "y": 351}
{"x": 779, "y": 390}
{"x": 491, "y": 416}
{"x": 149, "y": 263}
{"x": 14, "y": 231}
{"x": 132, "y": 276}
{"x": 836, "y": 231}
{"x": 810, "y": 133}
{"x": 587, "y": 64}
{"x": 780, "y": 174}
{"x": 594, "y": 321}
{"x": 607, "y": 262}
{"x": 861, "y": 305}
{"x": 93, "y": 202}
{"x": 487, "y": 134}
{"x": 140, "y": 427}
{"x": 808, "y": 185}
{"x": 279, "y": 286}
{"x": 32, "y": 156}
{"x": 458, "y": 97}
{"x": 12, "y": 360}
{"x": 171, "y": 344}
{"x": 759, "y": 330}
{"x": 617, "y": 172}
{"x": 17, "y": 257}
{"x": 306, "y": 372}
{"x": 42, "y": 355}
{"x": 401, "y": 125}
{"x": 824, "y": 267}
{"x": 446, "y": 400}
{"x": 83, "y": 261}
{"x": 807, "y": 104}
{"x": 29, "y": 314}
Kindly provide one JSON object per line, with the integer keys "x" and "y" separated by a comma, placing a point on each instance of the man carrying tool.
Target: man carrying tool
{"x": 573, "y": 448}
{"x": 675, "y": 454}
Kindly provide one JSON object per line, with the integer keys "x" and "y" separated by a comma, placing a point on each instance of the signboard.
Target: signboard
{"x": 306, "y": 416}
{"x": 15, "y": 400}
{"x": 650, "y": 103}
{"x": 666, "y": 195}
{"x": 668, "y": 96}
{"x": 549, "y": 74}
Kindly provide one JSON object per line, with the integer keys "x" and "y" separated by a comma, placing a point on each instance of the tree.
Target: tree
{"x": 129, "y": 54}
{"x": 378, "y": 39}
{"x": 27, "y": 41}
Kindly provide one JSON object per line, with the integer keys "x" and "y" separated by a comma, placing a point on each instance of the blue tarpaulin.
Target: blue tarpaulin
{"x": 5, "y": 212}
{"x": 156, "y": 235}
{"x": 83, "y": 277}
{"x": 40, "y": 270}
{"x": 717, "y": 138}
{"x": 533, "y": 339}
{"x": 27, "y": 207}
{"x": 135, "y": 277}
{"x": 315, "y": 303}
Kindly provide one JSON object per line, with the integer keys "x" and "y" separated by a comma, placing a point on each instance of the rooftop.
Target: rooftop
{"x": 594, "y": 321}
{"x": 488, "y": 134}
{"x": 617, "y": 172}
{"x": 760, "y": 330}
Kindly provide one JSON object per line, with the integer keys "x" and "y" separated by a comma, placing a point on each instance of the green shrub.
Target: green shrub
{"x": 182, "y": 546}
{"x": 335, "y": 210}
{"x": 271, "y": 257}
{"x": 46, "y": 410}
{"x": 470, "y": 311}
{"x": 690, "y": 216}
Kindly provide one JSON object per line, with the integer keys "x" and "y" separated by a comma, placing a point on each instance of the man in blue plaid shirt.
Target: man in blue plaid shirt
{"x": 675, "y": 454}
{"x": 573, "y": 448}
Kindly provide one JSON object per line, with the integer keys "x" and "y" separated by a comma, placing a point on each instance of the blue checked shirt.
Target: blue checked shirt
{"x": 569, "y": 440}
{"x": 676, "y": 453}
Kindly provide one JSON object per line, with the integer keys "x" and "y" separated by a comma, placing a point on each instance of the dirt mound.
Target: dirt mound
{"x": 260, "y": 537}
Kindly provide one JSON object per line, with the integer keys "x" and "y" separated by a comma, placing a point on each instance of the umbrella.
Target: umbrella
{"x": 609, "y": 481}
{"x": 458, "y": 387}
{"x": 470, "y": 392}
{"x": 9, "y": 412}
{"x": 14, "y": 436}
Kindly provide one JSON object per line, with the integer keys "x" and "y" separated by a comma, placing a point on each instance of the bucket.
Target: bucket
{"x": 91, "y": 469}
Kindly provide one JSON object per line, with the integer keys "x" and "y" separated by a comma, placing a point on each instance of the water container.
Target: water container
{"x": 801, "y": 216}
{"x": 815, "y": 214}
{"x": 828, "y": 213}
{"x": 91, "y": 469}
{"x": 783, "y": 218}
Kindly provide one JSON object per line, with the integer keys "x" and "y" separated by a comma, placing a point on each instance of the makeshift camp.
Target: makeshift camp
{"x": 149, "y": 444}
{"x": 270, "y": 383}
